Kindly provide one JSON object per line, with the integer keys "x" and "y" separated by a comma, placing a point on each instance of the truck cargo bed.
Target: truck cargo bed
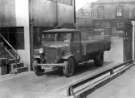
{"x": 95, "y": 45}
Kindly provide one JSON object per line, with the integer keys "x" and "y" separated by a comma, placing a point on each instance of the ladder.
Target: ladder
{"x": 10, "y": 57}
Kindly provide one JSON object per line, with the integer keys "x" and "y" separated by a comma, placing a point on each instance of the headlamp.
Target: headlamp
{"x": 41, "y": 50}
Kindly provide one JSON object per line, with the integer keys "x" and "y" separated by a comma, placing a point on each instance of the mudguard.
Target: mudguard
{"x": 67, "y": 56}
{"x": 37, "y": 58}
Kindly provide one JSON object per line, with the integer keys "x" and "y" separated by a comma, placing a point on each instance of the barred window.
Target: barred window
{"x": 93, "y": 14}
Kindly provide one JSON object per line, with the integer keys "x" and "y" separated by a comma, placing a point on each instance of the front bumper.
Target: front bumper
{"x": 53, "y": 65}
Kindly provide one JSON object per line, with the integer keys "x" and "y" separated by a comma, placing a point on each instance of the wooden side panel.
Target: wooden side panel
{"x": 92, "y": 46}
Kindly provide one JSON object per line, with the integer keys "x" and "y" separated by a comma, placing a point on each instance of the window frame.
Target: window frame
{"x": 119, "y": 11}
{"x": 100, "y": 11}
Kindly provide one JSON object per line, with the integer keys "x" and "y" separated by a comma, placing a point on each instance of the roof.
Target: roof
{"x": 61, "y": 30}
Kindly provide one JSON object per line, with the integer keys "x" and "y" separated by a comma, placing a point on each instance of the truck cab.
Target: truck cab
{"x": 58, "y": 47}
{"x": 64, "y": 49}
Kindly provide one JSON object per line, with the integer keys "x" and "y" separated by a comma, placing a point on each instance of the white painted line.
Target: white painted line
{"x": 89, "y": 85}
{"x": 101, "y": 77}
{"x": 116, "y": 70}
{"x": 91, "y": 82}
{"x": 92, "y": 85}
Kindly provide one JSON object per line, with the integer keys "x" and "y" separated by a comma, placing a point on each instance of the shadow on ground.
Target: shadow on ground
{"x": 79, "y": 70}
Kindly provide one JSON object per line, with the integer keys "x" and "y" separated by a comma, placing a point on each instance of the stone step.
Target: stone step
{"x": 17, "y": 65}
{"x": 21, "y": 69}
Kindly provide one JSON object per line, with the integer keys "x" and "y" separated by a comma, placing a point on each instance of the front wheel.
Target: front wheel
{"x": 99, "y": 59}
{"x": 37, "y": 69}
{"x": 69, "y": 67}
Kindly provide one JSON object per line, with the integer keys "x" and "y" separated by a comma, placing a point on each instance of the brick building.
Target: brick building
{"x": 107, "y": 14}
{"x": 112, "y": 13}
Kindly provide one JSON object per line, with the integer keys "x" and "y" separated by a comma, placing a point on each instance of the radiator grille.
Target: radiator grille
{"x": 51, "y": 54}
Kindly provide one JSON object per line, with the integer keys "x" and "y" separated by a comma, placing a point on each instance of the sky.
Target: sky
{"x": 80, "y": 3}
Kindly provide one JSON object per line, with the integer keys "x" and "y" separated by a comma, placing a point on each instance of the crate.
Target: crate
{"x": 3, "y": 66}
{"x": 3, "y": 70}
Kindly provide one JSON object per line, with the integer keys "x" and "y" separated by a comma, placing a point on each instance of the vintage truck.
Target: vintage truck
{"x": 64, "y": 49}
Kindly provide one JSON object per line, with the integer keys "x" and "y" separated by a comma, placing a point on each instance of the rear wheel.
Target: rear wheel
{"x": 69, "y": 67}
{"x": 37, "y": 69}
{"x": 99, "y": 59}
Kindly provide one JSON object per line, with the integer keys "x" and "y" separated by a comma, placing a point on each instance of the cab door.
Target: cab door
{"x": 76, "y": 45}
{"x": 128, "y": 42}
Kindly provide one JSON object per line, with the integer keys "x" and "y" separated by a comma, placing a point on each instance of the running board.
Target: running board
{"x": 85, "y": 62}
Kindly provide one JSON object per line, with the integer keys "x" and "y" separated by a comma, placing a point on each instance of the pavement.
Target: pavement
{"x": 52, "y": 84}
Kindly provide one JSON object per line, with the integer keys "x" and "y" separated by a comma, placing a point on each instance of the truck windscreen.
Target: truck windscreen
{"x": 56, "y": 37}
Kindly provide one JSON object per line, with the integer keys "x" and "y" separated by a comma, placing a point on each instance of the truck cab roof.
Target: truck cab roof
{"x": 61, "y": 30}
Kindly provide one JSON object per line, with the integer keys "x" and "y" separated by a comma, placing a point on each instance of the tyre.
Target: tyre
{"x": 99, "y": 59}
{"x": 69, "y": 68}
{"x": 37, "y": 69}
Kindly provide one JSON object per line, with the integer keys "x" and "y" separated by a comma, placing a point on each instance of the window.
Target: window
{"x": 100, "y": 12}
{"x": 119, "y": 25}
{"x": 56, "y": 37}
{"x": 92, "y": 13}
{"x": 119, "y": 11}
{"x": 15, "y": 36}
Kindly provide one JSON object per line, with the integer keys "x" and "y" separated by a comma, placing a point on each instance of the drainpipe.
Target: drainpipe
{"x": 57, "y": 18}
{"x": 31, "y": 34}
{"x": 133, "y": 41}
{"x": 75, "y": 12}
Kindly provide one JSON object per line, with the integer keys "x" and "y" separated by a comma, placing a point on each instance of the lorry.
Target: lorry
{"x": 65, "y": 49}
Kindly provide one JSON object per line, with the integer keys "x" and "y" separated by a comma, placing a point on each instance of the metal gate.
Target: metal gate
{"x": 127, "y": 41}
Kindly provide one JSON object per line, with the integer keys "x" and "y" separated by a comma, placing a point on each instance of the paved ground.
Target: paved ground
{"x": 53, "y": 84}
{"x": 31, "y": 86}
{"x": 121, "y": 87}
{"x": 116, "y": 53}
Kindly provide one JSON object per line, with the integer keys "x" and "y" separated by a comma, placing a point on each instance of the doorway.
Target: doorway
{"x": 127, "y": 39}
